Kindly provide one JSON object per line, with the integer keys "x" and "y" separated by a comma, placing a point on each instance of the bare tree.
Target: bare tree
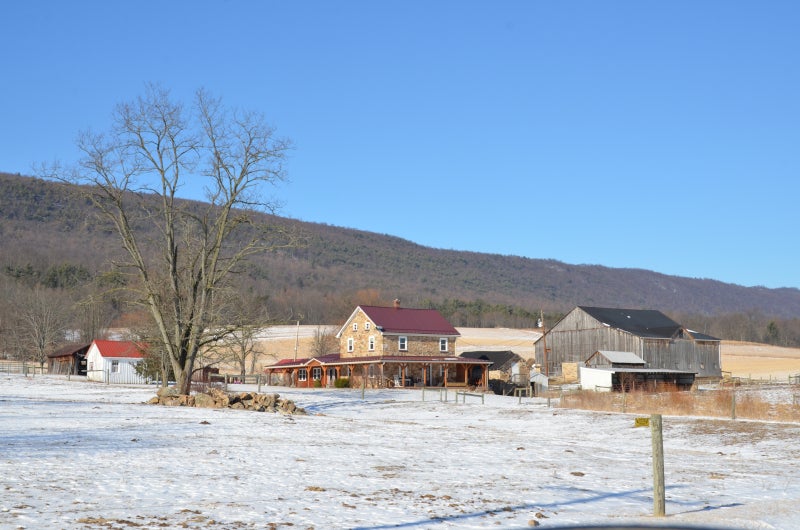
{"x": 41, "y": 322}
{"x": 135, "y": 173}
{"x": 324, "y": 342}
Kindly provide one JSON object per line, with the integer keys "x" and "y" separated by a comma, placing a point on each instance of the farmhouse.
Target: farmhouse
{"x": 626, "y": 371}
{"x": 387, "y": 347}
{"x": 111, "y": 361}
{"x": 658, "y": 340}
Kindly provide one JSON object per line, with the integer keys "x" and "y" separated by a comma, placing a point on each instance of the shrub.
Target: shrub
{"x": 317, "y": 383}
{"x": 342, "y": 382}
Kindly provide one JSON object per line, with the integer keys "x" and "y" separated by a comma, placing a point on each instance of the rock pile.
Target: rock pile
{"x": 218, "y": 399}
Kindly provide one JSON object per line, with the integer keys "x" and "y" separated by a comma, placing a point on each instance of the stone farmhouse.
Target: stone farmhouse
{"x": 388, "y": 347}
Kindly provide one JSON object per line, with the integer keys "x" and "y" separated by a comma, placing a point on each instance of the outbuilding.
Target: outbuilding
{"x": 68, "y": 360}
{"x": 111, "y": 361}
{"x": 625, "y": 371}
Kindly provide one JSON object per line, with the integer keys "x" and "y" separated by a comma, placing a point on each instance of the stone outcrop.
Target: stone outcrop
{"x": 218, "y": 399}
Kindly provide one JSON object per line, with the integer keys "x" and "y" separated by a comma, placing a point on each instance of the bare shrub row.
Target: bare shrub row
{"x": 712, "y": 403}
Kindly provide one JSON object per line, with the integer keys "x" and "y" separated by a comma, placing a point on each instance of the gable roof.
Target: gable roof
{"x": 411, "y": 321}
{"x": 119, "y": 349}
{"x": 642, "y": 322}
{"x": 501, "y": 360}
{"x": 69, "y": 350}
{"x": 618, "y": 357}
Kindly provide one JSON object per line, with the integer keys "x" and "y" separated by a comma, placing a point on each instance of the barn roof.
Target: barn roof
{"x": 410, "y": 321}
{"x": 501, "y": 360}
{"x": 69, "y": 350}
{"x": 119, "y": 349}
{"x": 642, "y": 322}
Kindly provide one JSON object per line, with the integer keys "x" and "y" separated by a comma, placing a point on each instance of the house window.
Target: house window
{"x": 402, "y": 343}
{"x": 372, "y": 344}
{"x": 355, "y": 326}
{"x": 114, "y": 367}
{"x": 316, "y": 373}
{"x": 302, "y": 374}
{"x": 443, "y": 344}
{"x": 366, "y": 326}
{"x": 350, "y": 344}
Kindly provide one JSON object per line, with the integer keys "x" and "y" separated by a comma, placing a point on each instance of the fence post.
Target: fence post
{"x": 733, "y": 405}
{"x": 659, "y": 509}
{"x": 258, "y": 381}
{"x": 423, "y": 393}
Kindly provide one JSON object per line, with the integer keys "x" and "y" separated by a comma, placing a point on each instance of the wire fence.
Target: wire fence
{"x": 22, "y": 367}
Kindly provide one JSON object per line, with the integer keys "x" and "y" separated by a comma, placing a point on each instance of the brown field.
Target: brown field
{"x": 759, "y": 361}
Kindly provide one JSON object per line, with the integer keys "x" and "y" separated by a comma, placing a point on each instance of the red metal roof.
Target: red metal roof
{"x": 411, "y": 321}
{"x": 119, "y": 348}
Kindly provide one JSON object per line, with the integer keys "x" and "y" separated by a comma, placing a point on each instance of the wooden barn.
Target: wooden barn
{"x": 658, "y": 340}
{"x": 68, "y": 360}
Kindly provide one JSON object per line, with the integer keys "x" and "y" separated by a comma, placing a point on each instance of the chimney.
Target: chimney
{"x": 397, "y": 303}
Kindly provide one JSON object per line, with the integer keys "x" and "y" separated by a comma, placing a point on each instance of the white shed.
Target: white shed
{"x": 111, "y": 361}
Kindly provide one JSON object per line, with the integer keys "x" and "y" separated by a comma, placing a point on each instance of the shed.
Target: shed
{"x": 626, "y": 371}
{"x": 506, "y": 365}
{"x": 111, "y": 361}
{"x": 68, "y": 359}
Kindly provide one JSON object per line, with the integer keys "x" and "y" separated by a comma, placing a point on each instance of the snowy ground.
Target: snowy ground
{"x": 82, "y": 455}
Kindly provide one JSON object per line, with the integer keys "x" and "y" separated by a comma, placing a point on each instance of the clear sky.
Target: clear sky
{"x": 654, "y": 135}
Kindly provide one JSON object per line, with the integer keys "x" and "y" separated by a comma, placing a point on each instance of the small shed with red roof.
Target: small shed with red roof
{"x": 113, "y": 361}
{"x": 389, "y": 346}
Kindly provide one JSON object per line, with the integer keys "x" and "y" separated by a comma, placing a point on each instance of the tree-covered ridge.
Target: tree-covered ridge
{"x": 53, "y": 237}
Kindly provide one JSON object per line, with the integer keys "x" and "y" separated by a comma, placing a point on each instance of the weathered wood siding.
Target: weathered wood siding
{"x": 683, "y": 354}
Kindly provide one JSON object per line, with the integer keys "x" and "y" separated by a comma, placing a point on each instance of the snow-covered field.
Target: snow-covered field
{"x": 82, "y": 455}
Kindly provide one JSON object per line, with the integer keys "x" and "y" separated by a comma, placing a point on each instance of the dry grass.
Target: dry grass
{"x": 724, "y": 403}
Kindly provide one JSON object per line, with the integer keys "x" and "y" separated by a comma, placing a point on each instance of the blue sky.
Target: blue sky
{"x": 654, "y": 135}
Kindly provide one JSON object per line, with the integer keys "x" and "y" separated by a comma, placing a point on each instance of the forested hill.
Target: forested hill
{"x": 44, "y": 228}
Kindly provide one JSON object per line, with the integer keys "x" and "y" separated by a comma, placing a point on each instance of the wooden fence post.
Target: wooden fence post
{"x": 659, "y": 502}
{"x": 733, "y": 405}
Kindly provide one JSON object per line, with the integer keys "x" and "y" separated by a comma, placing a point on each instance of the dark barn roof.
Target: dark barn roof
{"x": 647, "y": 323}
{"x": 501, "y": 360}
{"x": 70, "y": 350}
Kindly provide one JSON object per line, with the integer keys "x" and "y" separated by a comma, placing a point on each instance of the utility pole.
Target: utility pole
{"x": 544, "y": 343}
{"x": 296, "y": 340}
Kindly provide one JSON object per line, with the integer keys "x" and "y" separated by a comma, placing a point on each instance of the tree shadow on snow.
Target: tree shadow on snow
{"x": 588, "y": 497}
